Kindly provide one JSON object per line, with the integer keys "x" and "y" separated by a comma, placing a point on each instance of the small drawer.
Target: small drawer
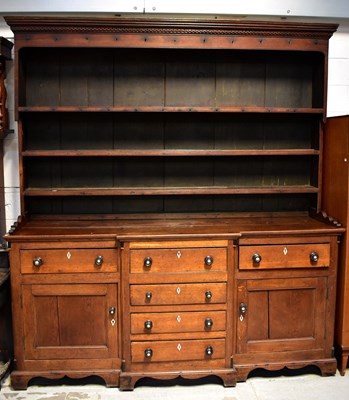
{"x": 178, "y": 260}
{"x": 284, "y": 256}
{"x": 197, "y": 321}
{"x": 68, "y": 261}
{"x": 181, "y": 293}
{"x": 179, "y": 350}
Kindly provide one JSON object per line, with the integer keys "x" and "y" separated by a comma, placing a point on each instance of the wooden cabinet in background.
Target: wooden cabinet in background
{"x": 175, "y": 151}
{"x": 336, "y": 204}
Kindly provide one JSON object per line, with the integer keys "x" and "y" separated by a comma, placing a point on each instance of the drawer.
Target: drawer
{"x": 163, "y": 294}
{"x": 284, "y": 256}
{"x": 68, "y": 261}
{"x": 178, "y": 322}
{"x": 178, "y": 260}
{"x": 180, "y": 350}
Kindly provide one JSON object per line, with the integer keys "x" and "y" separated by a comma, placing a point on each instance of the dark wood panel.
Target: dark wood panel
{"x": 74, "y": 77}
{"x": 167, "y": 131}
{"x": 190, "y": 79}
{"x": 292, "y": 314}
{"x": 82, "y": 320}
{"x": 240, "y": 83}
{"x": 288, "y": 84}
{"x": 172, "y": 77}
{"x": 47, "y": 329}
{"x": 92, "y": 132}
{"x": 258, "y": 316}
{"x": 139, "y": 131}
{"x": 139, "y": 79}
{"x": 187, "y": 131}
{"x": 40, "y": 79}
{"x": 144, "y": 173}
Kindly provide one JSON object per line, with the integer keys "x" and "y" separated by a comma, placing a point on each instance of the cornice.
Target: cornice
{"x": 183, "y": 26}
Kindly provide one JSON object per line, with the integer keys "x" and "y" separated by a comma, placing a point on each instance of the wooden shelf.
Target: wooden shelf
{"x": 175, "y": 109}
{"x": 129, "y": 191}
{"x": 168, "y": 153}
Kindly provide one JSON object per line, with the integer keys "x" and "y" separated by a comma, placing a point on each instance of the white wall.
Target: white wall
{"x": 338, "y": 74}
{"x": 338, "y": 98}
{"x": 303, "y": 8}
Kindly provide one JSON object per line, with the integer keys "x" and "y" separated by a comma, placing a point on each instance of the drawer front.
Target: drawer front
{"x": 163, "y": 294}
{"x": 178, "y": 322}
{"x": 68, "y": 261}
{"x": 284, "y": 256}
{"x": 178, "y": 260}
{"x": 181, "y": 350}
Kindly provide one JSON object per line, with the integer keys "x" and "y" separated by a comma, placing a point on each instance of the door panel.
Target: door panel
{"x": 281, "y": 314}
{"x": 70, "y": 321}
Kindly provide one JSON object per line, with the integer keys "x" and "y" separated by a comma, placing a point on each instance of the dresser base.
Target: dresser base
{"x": 326, "y": 366}
{"x": 20, "y": 379}
{"x": 129, "y": 379}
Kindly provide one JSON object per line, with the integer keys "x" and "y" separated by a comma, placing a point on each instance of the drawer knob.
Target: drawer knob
{"x": 37, "y": 262}
{"x": 243, "y": 308}
{"x": 208, "y": 295}
{"x": 209, "y": 350}
{"x": 256, "y": 258}
{"x": 148, "y": 324}
{"x": 148, "y": 262}
{"x": 314, "y": 257}
{"x": 112, "y": 310}
{"x": 148, "y": 353}
{"x": 98, "y": 261}
{"x": 148, "y": 295}
{"x": 208, "y": 323}
{"x": 209, "y": 261}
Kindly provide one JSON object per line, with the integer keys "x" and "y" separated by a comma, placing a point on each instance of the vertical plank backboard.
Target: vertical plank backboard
{"x": 74, "y": 76}
{"x": 138, "y": 131}
{"x": 288, "y": 84}
{"x": 190, "y": 80}
{"x": 138, "y": 78}
{"x": 240, "y": 81}
{"x": 41, "y": 79}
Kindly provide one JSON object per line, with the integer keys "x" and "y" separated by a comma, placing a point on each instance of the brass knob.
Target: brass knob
{"x": 148, "y": 353}
{"x": 209, "y": 261}
{"x": 37, "y": 262}
{"x": 243, "y": 308}
{"x": 148, "y": 324}
{"x": 148, "y": 295}
{"x": 148, "y": 262}
{"x": 208, "y": 295}
{"x": 112, "y": 310}
{"x": 256, "y": 258}
{"x": 209, "y": 350}
{"x": 99, "y": 261}
{"x": 208, "y": 323}
{"x": 314, "y": 257}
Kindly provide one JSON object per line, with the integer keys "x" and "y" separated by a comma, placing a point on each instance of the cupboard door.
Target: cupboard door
{"x": 70, "y": 321}
{"x": 281, "y": 315}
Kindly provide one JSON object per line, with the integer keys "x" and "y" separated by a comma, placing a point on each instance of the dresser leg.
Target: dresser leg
{"x": 20, "y": 381}
{"x": 342, "y": 363}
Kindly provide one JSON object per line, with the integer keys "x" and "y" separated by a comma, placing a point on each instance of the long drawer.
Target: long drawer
{"x": 196, "y": 321}
{"x": 181, "y": 350}
{"x": 178, "y": 260}
{"x": 167, "y": 294}
{"x": 50, "y": 261}
{"x": 312, "y": 255}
